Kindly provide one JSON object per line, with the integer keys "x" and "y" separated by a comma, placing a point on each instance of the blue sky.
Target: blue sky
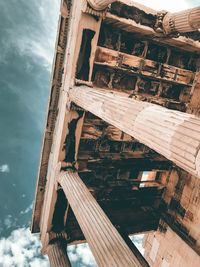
{"x": 27, "y": 41}
{"x": 27, "y": 36}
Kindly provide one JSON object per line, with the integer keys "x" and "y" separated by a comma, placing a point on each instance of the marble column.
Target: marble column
{"x": 183, "y": 21}
{"x": 57, "y": 254}
{"x": 100, "y": 4}
{"x": 173, "y": 134}
{"x": 106, "y": 244}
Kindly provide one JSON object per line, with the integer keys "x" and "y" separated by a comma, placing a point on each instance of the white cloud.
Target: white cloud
{"x": 169, "y": 5}
{"x": 21, "y": 249}
{"x": 4, "y": 168}
{"x": 138, "y": 240}
{"x": 81, "y": 254}
{"x": 27, "y": 210}
{"x": 8, "y": 221}
{"x": 42, "y": 45}
{"x": 37, "y": 40}
{"x": 29, "y": 47}
{"x": 31, "y": 40}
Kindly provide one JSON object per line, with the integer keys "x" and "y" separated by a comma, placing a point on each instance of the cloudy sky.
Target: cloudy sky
{"x": 27, "y": 36}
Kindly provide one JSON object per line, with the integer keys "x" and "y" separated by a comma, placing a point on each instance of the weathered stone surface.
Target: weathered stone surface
{"x": 173, "y": 134}
{"x": 100, "y": 4}
{"x": 108, "y": 247}
{"x": 57, "y": 254}
{"x": 168, "y": 249}
{"x": 184, "y": 21}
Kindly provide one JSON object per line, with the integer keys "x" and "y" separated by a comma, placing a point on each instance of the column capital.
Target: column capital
{"x": 100, "y": 5}
{"x": 54, "y": 237}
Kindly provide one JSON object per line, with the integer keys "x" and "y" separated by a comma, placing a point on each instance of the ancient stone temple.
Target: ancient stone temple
{"x": 121, "y": 147}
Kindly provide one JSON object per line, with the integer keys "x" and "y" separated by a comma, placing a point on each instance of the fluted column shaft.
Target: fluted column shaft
{"x": 106, "y": 244}
{"x": 100, "y": 4}
{"x": 171, "y": 133}
{"x": 57, "y": 254}
{"x": 184, "y": 21}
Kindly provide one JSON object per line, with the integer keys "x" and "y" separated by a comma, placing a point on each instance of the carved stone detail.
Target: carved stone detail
{"x": 108, "y": 247}
{"x": 179, "y": 22}
{"x": 173, "y": 134}
{"x": 100, "y": 4}
{"x": 57, "y": 253}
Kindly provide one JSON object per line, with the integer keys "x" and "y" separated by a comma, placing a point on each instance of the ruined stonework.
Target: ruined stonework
{"x": 168, "y": 249}
{"x": 121, "y": 148}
